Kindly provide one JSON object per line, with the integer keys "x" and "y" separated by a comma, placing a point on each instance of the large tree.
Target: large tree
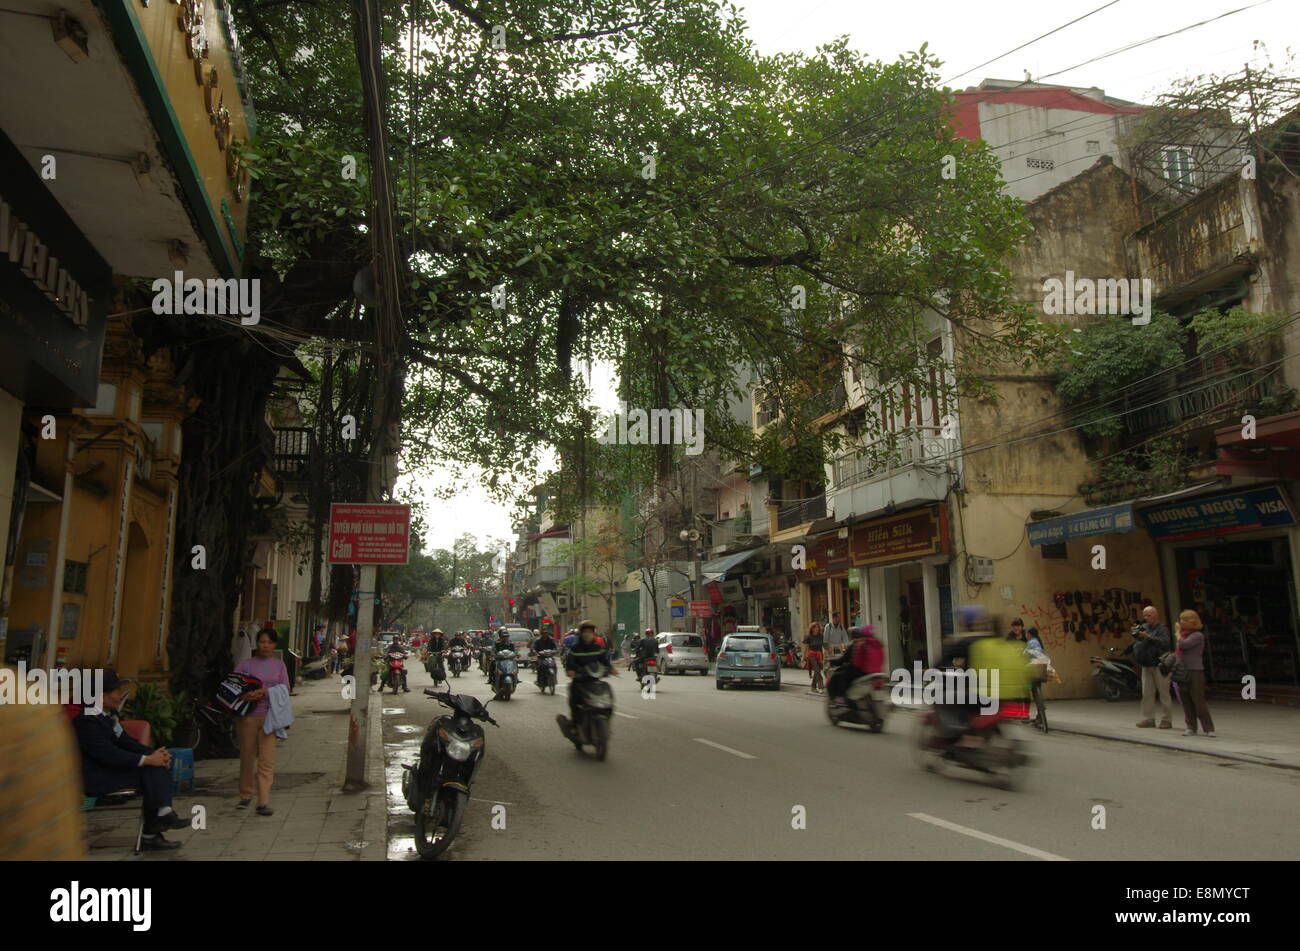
{"x": 632, "y": 182}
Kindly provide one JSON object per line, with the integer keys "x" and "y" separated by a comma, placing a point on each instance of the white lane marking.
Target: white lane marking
{"x": 493, "y": 801}
{"x": 620, "y": 713}
{"x": 725, "y": 749}
{"x": 996, "y": 840}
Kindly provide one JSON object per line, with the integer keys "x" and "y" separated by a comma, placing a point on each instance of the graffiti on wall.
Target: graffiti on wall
{"x": 1078, "y": 615}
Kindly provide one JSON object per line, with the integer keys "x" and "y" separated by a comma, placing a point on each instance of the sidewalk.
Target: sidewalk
{"x": 314, "y": 819}
{"x": 1247, "y": 731}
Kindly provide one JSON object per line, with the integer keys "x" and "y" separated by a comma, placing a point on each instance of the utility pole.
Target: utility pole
{"x": 389, "y": 383}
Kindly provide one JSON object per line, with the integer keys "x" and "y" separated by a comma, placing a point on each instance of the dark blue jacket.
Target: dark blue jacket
{"x": 105, "y": 757}
{"x": 581, "y": 654}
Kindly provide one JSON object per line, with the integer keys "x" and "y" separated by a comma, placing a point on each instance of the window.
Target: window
{"x": 1094, "y": 146}
{"x": 74, "y": 577}
{"x": 1178, "y": 167}
{"x": 756, "y": 643}
{"x": 1057, "y": 551}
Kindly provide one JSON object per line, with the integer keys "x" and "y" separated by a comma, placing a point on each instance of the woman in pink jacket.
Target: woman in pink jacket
{"x": 256, "y": 747}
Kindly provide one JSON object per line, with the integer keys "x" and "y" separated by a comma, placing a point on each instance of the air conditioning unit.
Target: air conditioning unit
{"x": 979, "y": 570}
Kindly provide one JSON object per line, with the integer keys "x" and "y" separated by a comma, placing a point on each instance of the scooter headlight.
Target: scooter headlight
{"x": 457, "y": 748}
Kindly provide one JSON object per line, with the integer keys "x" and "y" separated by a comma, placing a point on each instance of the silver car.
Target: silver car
{"x": 748, "y": 659}
{"x": 680, "y": 652}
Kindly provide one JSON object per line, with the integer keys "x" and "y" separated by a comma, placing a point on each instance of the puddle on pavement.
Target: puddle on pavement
{"x": 405, "y": 728}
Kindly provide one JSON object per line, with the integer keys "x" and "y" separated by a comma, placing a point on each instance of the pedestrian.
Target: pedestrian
{"x": 1017, "y": 632}
{"x": 1151, "y": 642}
{"x": 814, "y": 655}
{"x": 835, "y": 635}
{"x": 1191, "y": 651}
{"x": 256, "y": 746}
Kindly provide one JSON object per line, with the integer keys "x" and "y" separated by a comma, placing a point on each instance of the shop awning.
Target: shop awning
{"x": 1109, "y": 520}
{"x": 727, "y": 562}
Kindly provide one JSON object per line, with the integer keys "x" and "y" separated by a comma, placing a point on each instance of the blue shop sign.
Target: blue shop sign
{"x": 1111, "y": 520}
{"x": 1220, "y": 514}
{"x": 679, "y": 610}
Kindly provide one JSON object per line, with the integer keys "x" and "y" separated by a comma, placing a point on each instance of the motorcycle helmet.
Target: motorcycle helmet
{"x": 863, "y": 631}
{"x": 586, "y": 624}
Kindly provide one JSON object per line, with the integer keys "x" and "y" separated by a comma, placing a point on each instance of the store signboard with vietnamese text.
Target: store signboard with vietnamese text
{"x": 903, "y": 537}
{"x": 1220, "y": 514}
{"x": 825, "y": 559}
{"x": 361, "y": 534}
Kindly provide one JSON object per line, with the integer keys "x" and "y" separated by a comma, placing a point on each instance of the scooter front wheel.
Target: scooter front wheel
{"x": 437, "y": 821}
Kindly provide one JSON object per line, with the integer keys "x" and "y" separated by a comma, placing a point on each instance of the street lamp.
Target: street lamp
{"x": 693, "y": 535}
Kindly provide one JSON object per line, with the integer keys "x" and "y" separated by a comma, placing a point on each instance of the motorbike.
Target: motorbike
{"x": 1117, "y": 675}
{"x": 646, "y": 667}
{"x": 319, "y": 668}
{"x": 436, "y": 666}
{"x": 546, "y": 670}
{"x": 866, "y": 705}
{"x": 595, "y": 707}
{"x": 941, "y": 731}
{"x": 789, "y": 656}
{"x": 437, "y": 786}
{"x": 459, "y": 661}
{"x": 505, "y": 675}
{"x": 395, "y": 672}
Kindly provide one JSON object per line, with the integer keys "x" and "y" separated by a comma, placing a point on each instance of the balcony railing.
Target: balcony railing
{"x": 293, "y": 446}
{"x": 827, "y": 401}
{"x": 550, "y": 574}
{"x": 891, "y": 453}
{"x": 789, "y": 516}
{"x": 1209, "y": 400}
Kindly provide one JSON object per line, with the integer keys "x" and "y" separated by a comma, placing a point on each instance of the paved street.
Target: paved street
{"x": 700, "y": 774}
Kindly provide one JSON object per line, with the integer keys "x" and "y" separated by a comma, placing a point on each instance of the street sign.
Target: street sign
{"x": 363, "y": 534}
{"x": 701, "y": 609}
{"x": 678, "y": 610}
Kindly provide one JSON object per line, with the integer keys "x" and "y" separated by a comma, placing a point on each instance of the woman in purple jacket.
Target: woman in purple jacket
{"x": 257, "y": 748}
{"x": 1191, "y": 648}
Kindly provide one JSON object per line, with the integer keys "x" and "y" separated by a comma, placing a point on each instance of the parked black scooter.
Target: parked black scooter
{"x": 437, "y": 787}
{"x": 1116, "y": 674}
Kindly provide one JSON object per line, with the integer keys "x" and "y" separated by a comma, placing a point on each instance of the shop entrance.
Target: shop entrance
{"x": 1243, "y": 593}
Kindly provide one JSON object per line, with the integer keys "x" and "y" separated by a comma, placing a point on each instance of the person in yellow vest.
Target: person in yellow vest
{"x": 999, "y": 664}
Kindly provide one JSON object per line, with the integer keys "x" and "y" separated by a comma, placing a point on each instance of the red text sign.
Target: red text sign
{"x": 369, "y": 534}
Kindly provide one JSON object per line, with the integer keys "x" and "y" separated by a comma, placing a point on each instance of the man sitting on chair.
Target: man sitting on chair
{"x": 111, "y": 761}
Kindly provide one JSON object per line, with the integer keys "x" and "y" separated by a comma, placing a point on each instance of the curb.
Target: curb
{"x": 1236, "y": 757}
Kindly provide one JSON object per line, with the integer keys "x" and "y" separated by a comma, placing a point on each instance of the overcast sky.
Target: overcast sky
{"x": 964, "y": 34}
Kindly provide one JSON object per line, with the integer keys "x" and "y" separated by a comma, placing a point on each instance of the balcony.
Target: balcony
{"x": 828, "y": 402}
{"x": 293, "y": 450}
{"x": 791, "y": 516}
{"x": 1209, "y": 400}
{"x": 729, "y": 533}
{"x": 550, "y": 574}
{"x": 890, "y": 454}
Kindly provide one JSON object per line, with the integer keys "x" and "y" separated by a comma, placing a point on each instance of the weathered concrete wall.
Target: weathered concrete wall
{"x": 1024, "y": 583}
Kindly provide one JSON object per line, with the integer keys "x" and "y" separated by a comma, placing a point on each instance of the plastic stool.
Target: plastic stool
{"x": 182, "y": 767}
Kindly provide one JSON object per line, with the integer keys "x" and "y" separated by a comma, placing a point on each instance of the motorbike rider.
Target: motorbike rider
{"x": 543, "y": 642}
{"x": 981, "y": 648}
{"x": 590, "y": 648}
{"x": 502, "y": 643}
{"x": 396, "y": 648}
{"x": 864, "y": 655}
{"x": 646, "y": 649}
